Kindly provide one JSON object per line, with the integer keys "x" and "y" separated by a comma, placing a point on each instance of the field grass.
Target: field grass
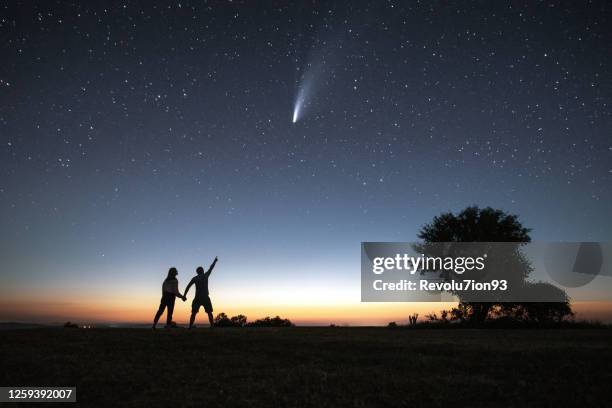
{"x": 314, "y": 367}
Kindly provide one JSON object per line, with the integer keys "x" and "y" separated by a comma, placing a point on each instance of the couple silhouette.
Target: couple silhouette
{"x": 170, "y": 292}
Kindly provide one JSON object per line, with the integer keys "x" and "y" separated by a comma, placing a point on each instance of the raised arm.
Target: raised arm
{"x": 212, "y": 266}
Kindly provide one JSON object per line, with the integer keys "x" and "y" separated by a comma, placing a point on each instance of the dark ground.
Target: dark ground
{"x": 314, "y": 367}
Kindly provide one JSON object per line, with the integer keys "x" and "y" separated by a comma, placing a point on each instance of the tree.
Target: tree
{"x": 474, "y": 224}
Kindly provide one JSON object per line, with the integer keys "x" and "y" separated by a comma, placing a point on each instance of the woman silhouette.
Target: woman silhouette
{"x": 170, "y": 291}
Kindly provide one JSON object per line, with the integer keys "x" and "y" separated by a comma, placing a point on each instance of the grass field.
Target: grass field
{"x": 314, "y": 367}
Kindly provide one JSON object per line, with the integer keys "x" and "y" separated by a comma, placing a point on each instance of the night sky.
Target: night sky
{"x": 144, "y": 135}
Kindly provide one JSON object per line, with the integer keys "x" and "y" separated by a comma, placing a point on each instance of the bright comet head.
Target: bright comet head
{"x": 296, "y": 112}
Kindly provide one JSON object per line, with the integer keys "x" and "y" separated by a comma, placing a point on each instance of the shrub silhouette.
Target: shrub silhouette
{"x": 432, "y": 317}
{"x": 458, "y": 313}
{"x": 271, "y": 322}
{"x": 222, "y": 320}
{"x": 239, "y": 321}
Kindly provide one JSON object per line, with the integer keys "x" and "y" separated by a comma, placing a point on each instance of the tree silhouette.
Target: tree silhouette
{"x": 474, "y": 224}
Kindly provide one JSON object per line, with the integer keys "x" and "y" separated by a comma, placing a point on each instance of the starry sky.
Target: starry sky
{"x": 136, "y": 136}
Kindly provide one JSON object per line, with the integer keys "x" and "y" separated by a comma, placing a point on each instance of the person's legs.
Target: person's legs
{"x": 160, "y": 311}
{"x": 170, "y": 311}
{"x": 195, "y": 306}
{"x": 209, "y": 310}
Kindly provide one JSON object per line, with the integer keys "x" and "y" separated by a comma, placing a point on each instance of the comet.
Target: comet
{"x": 314, "y": 75}
{"x": 299, "y": 102}
{"x": 296, "y": 110}
{"x": 302, "y": 95}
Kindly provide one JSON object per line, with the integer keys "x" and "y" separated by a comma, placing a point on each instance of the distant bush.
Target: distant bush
{"x": 222, "y": 320}
{"x": 392, "y": 325}
{"x": 70, "y": 325}
{"x": 271, "y": 322}
{"x": 239, "y": 321}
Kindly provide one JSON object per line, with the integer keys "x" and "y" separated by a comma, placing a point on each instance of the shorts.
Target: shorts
{"x": 202, "y": 301}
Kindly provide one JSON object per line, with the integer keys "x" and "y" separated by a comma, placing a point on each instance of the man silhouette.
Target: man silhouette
{"x": 201, "y": 297}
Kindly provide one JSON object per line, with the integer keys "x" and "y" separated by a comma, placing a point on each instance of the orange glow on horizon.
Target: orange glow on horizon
{"x": 137, "y": 310}
{"x": 306, "y": 305}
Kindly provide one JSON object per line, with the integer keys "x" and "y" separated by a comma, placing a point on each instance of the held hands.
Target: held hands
{"x": 184, "y": 298}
